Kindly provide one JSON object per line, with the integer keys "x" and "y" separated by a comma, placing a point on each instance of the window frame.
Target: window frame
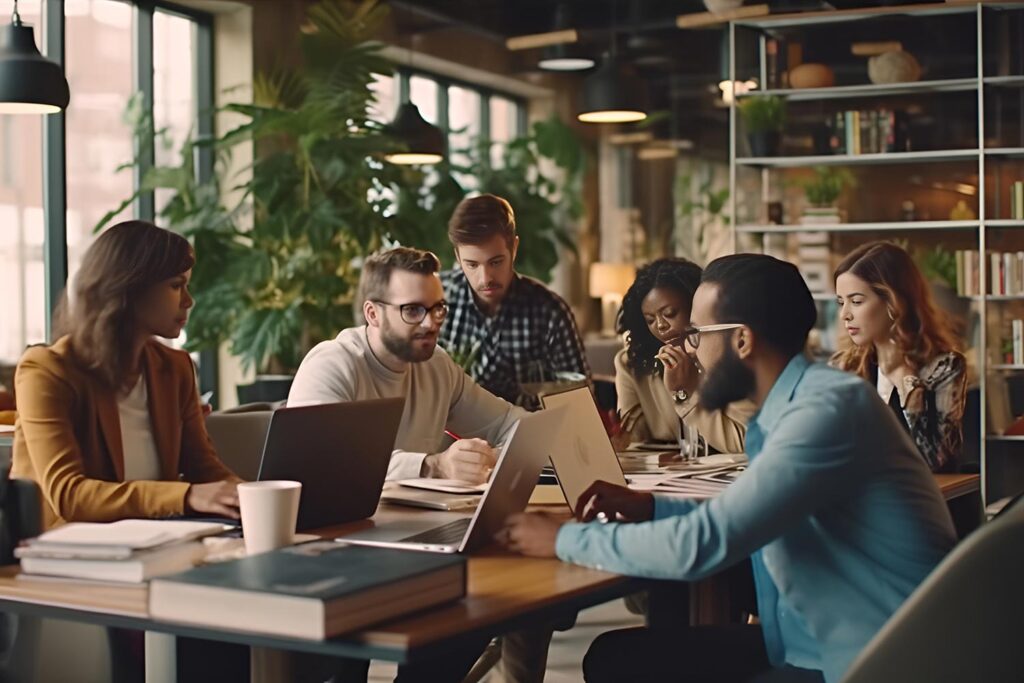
{"x": 55, "y": 249}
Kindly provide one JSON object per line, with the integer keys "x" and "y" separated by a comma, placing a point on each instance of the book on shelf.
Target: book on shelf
{"x": 967, "y": 269}
{"x": 868, "y": 132}
{"x": 1017, "y": 329}
{"x": 1005, "y": 273}
{"x": 312, "y": 591}
{"x": 1017, "y": 200}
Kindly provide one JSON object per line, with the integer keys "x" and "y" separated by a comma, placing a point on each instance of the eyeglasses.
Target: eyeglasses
{"x": 692, "y": 334}
{"x": 413, "y": 314}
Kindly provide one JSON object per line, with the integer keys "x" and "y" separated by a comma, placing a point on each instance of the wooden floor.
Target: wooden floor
{"x": 567, "y": 647}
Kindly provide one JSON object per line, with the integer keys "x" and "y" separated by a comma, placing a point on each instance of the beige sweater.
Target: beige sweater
{"x": 649, "y": 412}
{"x": 438, "y": 396}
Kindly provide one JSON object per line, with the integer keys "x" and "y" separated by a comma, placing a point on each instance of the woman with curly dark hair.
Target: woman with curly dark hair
{"x": 656, "y": 380}
{"x": 903, "y": 345}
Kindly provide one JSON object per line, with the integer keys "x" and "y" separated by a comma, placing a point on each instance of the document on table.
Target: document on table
{"x": 700, "y": 484}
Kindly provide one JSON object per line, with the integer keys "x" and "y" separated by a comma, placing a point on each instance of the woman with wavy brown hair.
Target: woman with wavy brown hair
{"x": 903, "y": 344}
{"x": 109, "y": 420}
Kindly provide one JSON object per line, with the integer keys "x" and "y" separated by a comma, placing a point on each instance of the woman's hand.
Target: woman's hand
{"x": 680, "y": 372}
{"x": 218, "y": 498}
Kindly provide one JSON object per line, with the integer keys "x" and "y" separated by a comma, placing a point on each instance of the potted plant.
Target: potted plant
{"x": 822, "y": 190}
{"x": 277, "y": 271}
{"x": 763, "y": 120}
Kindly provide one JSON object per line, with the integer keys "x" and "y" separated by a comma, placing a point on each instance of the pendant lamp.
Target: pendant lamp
{"x": 610, "y": 94}
{"x": 423, "y": 143}
{"x": 29, "y": 83}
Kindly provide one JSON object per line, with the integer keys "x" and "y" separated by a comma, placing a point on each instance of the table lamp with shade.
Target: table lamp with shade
{"x": 609, "y": 282}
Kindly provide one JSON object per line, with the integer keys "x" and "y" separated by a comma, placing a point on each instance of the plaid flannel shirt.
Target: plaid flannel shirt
{"x": 532, "y": 337}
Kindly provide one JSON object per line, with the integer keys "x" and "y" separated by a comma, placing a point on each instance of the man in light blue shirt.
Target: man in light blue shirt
{"x": 837, "y": 510}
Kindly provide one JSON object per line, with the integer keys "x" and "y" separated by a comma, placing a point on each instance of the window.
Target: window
{"x": 99, "y": 39}
{"x": 111, "y": 48}
{"x": 174, "y": 89}
{"x": 22, "y": 278}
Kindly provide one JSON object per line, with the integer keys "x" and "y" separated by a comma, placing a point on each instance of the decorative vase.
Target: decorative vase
{"x": 821, "y": 215}
{"x": 764, "y": 143}
{"x": 895, "y": 66}
{"x": 811, "y": 76}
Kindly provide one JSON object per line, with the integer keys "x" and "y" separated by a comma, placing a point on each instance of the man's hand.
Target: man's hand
{"x": 470, "y": 460}
{"x": 614, "y": 503}
{"x": 531, "y": 533}
{"x": 680, "y": 371}
{"x": 218, "y": 498}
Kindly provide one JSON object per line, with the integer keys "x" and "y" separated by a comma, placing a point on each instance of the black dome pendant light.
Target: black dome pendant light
{"x": 609, "y": 94}
{"x": 421, "y": 142}
{"x": 29, "y": 83}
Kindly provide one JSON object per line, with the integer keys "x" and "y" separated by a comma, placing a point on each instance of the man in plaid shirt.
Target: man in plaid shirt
{"x": 503, "y": 328}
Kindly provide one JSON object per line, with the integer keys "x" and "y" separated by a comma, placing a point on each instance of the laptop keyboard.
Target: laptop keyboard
{"x": 448, "y": 534}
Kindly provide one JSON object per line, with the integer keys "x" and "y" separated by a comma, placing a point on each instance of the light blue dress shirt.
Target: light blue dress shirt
{"x": 837, "y": 510}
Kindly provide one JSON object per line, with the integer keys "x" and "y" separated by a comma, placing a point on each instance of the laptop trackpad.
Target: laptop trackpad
{"x": 394, "y": 530}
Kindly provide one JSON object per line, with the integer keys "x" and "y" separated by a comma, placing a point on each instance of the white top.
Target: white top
{"x": 438, "y": 396}
{"x": 141, "y": 460}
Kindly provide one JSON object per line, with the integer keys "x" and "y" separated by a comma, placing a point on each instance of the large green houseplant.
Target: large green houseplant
{"x": 276, "y": 270}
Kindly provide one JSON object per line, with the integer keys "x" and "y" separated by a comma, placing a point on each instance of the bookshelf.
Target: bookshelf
{"x": 981, "y": 97}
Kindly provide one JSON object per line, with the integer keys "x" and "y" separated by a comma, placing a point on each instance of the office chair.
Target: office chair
{"x": 239, "y": 438}
{"x": 963, "y": 621}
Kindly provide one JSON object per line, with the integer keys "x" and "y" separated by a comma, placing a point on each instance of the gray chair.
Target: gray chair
{"x": 963, "y": 622}
{"x": 239, "y": 435}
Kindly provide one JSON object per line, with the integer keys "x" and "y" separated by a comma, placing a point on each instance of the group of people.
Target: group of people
{"x": 837, "y": 511}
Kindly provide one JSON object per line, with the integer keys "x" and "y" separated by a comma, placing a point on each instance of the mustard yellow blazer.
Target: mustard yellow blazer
{"x": 68, "y": 437}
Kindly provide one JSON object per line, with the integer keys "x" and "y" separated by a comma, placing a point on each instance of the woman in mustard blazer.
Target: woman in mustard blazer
{"x": 109, "y": 421}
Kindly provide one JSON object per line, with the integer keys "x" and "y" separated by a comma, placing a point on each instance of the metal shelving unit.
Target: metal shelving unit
{"x": 868, "y": 159}
{"x": 896, "y": 226}
{"x": 763, "y": 28}
{"x": 870, "y": 90}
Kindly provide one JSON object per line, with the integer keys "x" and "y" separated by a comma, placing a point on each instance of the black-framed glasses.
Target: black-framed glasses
{"x": 692, "y": 334}
{"x": 413, "y": 314}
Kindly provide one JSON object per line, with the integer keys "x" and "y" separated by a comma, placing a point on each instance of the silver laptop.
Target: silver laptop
{"x": 582, "y": 453}
{"x": 520, "y": 461}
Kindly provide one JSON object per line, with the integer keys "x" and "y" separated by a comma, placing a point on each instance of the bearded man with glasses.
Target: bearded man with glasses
{"x": 395, "y": 354}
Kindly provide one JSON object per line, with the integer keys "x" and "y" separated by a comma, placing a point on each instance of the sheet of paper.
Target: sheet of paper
{"x": 444, "y": 485}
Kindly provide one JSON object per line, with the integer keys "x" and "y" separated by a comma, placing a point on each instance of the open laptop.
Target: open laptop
{"x": 582, "y": 453}
{"x": 520, "y": 461}
{"x": 340, "y": 454}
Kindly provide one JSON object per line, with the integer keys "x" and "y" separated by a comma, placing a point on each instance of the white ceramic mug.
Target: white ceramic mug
{"x": 269, "y": 512}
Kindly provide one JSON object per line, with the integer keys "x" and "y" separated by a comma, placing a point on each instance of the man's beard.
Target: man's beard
{"x": 402, "y": 347}
{"x": 728, "y": 382}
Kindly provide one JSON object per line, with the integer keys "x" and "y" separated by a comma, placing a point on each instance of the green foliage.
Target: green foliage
{"x": 277, "y": 271}
{"x": 939, "y": 264}
{"x": 763, "y": 113}
{"x": 826, "y": 185}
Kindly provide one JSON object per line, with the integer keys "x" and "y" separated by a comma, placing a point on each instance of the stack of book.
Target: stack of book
{"x": 1006, "y": 273}
{"x": 1017, "y": 200}
{"x": 131, "y": 550}
{"x": 868, "y": 132}
{"x": 1017, "y": 336}
{"x": 313, "y": 590}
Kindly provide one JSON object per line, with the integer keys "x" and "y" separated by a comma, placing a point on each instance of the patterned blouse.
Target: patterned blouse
{"x": 934, "y": 409}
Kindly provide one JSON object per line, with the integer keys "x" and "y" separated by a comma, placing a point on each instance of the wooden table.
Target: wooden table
{"x": 504, "y": 592}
